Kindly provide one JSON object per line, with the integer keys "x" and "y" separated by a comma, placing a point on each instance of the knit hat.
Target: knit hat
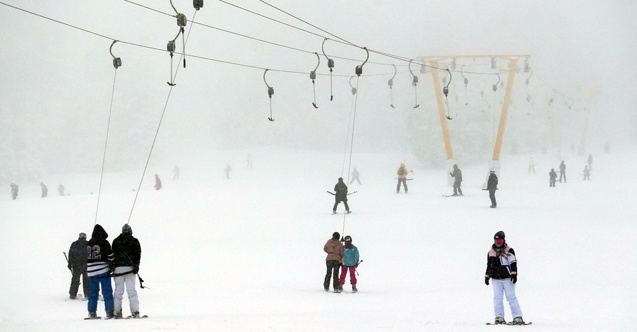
{"x": 336, "y": 236}
{"x": 83, "y": 235}
{"x": 499, "y": 235}
{"x": 127, "y": 229}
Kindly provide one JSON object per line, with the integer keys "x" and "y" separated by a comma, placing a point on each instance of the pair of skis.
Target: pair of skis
{"x": 128, "y": 317}
{"x": 510, "y": 323}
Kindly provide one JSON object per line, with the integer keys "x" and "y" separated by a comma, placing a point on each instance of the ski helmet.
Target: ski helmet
{"x": 127, "y": 229}
{"x": 348, "y": 238}
{"x": 499, "y": 235}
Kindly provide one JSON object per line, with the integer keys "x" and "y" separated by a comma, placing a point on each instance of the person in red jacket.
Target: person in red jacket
{"x": 334, "y": 249}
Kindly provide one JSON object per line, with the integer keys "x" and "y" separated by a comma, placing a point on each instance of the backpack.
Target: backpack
{"x": 401, "y": 171}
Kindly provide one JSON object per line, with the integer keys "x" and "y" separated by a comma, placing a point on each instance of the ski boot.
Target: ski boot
{"x": 135, "y": 314}
{"x": 118, "y": 315}
{"x": 348, "y": 211}
{"x": 354, "y": 290}
{"x": 109, "y": 315}
{"x": 499, "y": 321}
{"x": 92, "y": 315}
{"x": 518, "y": 321}
{"x": 334, "y": 212}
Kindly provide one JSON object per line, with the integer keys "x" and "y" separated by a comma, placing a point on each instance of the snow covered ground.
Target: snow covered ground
{"x": 245, "y": 254}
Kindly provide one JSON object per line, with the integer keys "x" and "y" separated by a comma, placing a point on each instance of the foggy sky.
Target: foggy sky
{"x": 55, "y": 92}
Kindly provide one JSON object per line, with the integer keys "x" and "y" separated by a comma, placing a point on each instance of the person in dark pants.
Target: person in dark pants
{"x": 562, "y": 171}
{"x": 492, "y": 186}
{"x": 402, "y": 178}
{"x": 77, "y": 264}
{"x": 98, "y": 266}
{"x": 334, "y": 249}
{"x": 552, "y": 178}
{"x": 457, "y": 175}
{"x": 340, "y": 195}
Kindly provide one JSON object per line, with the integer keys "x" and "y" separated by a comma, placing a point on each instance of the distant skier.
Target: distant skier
{"x": 334, "y": 249}
{"x": 45, "y": 190}
{"x": 587, "y": 173}
{"x": 157, "y": 182}
{"x": 14, "y": 191}
{"x": 457, "y": 175}
{"x": 502, "y": 267}
{"x": 402, "y": 178}
{"x": 78, "y": 253}
{"x": 228, "y": 170}
{"x": 340, "y": 195}
{"x": 176, "y": 173}
{"x": 531, "y": 165}
{"x": 590, "y": 161}
{"x": 61, "y": 190}
{"x": 562, "y": 171}
{"x": 99, "y": 264}
{"x": 351, "y": 258}
{"x": 492, "y": 186}
{"x": 552, "y": 178}
{"x": 355, "y": 177}
{"x": 128, "y": 253}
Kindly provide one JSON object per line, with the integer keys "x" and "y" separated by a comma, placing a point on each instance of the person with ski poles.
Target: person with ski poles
{"x": 127, "y": 251}
{"x": 340, "y": 195}
{"x": 552, "y": 178}
{"x": 502, "y": 270}
{"x": 77, "y": 265}
{"x": 351, "y": 258}
{"x": 334, "y": 249}
{"x": 402, "y": 178}
{"x": 492, "y": 186}
{"x": 99, "y": 265}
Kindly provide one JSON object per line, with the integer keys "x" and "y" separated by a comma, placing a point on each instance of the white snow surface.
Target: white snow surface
{"x": 246, "y": 254}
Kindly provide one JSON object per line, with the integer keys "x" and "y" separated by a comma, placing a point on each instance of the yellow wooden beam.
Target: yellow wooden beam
{"x": 513, "y": 63}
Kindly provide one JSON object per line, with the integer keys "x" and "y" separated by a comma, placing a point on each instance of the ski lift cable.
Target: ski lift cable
{"x": 161, "y": 118}
{"x": 351, "y": 141}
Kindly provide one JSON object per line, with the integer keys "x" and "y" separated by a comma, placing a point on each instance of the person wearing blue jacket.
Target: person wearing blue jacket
{"x": 351, "y": 258}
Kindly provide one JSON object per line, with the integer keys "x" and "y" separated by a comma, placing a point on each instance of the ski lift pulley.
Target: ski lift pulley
{"x": 117, "y": 62}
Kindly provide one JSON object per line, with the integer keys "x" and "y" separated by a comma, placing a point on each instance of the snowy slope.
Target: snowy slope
{"x": 245, "y": 254}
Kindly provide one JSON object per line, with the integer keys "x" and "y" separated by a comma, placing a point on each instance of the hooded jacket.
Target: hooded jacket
{"x": 101, "y": 255}
{"x": 405, "y": 171}
{"x": 127, "y": 250}
{"x": 334, "y": 250}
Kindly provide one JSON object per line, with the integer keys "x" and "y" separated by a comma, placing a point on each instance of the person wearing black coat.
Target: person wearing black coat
{"x": 457, "y": 175}
{"x": 492, "y": 186}
{"x": 340, "y": 195}
{"x": 98, "y": 266}
{"x": 128, "y": 253}
{"x": 552, "y": 178}
{"x": 77, "y": 264}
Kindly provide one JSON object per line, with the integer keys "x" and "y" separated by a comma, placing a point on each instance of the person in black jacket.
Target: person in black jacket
{"x": 492, "y": 186}
{"x": 77, "y": 265}
{"x": 457, "y": 175}
{"x": 98, "y": 266}
{"x": 340, "y": 195}
{"x": 552, "y": 178}
{"x": 128, "y": 253}
{"x": 502, "y": 269}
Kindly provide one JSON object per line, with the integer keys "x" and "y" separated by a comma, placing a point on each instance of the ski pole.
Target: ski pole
{"x": 359, "y": 263}
{"x": 67, "y": 261}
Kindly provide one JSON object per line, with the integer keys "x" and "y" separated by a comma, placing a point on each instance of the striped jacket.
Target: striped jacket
{"x": 100, "y": 253}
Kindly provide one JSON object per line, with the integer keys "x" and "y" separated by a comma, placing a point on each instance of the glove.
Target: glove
{"x": 111, "y": 266}
{"x": 486, "y": 281}
{"x": 514, "y": 278}
{"x": 69, "y": 266}
{"x": 135, "y": 269}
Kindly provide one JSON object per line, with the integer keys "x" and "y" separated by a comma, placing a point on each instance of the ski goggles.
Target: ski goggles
{"x": 499, "y": 241}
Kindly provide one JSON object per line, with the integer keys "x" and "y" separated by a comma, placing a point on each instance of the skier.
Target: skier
{"x": 45, "y": 190}
{"x": 531, "y": 165}
{"x": 334, "y": 249}
{"x": 492, "y": 186}
{"x": 552, "y": 178}
{"x": 340, "y": 195}
{"x": 402, "y": 177}
{"x": 99, "y": 264}
{"x": 587, "y": 173}
{"x": 176, "y": 173}
{"x": 228, "y": 169}
{"x": 355, "y": 177}
{"x": 77, "y": 265}
{"x": 61, "y": 190}
{"x": 590, "y": 161}
{"x": 562, "y": 171}
{"x": 351, "y": 258}
{"x": 14, "y": 191}
{"x": 127, "y": 252}
{"x": 157, "y": 182}
{"x": 457, "y": 174}
{"x": 503, "y": 269}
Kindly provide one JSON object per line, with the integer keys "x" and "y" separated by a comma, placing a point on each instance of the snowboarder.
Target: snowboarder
{"x": 77, "y": 264}
{"x": 457, "y": 175}
{"x": 492, "y": 186}
{"x": 351, "y": 258}
{"x": 587, "y": 173}
{"x": 590, "y": 161}
{"x": 176, "y": 173}
{"x": 128, "y": 253}
{"x": 552, "y": 178}
{"x": 61, "y": 190}
{"x": 228, "y": 170}
{"x": 99, "y": 264}
{"x": 562, "y": 171}
{"x": 340, "y": 195}
{"x": 355, "y": 177}
{"x": 14, "y": 191}
{"x": 157, "y": 182}
{"x": 531, "y": 165}
{"x": 402, "y": 177}
{"x": 502, "y": 268}
{"x": 45, "y": 190}
{"x": 334, "y": 249}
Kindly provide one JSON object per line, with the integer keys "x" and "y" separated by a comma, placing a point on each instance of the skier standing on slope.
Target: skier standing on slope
{"x": 77, "y": 265}
{"x": 334, "y": 249}
{"x": 402, "y": 178}
{"x": 99, "y": 264}
{"x": 492, "y": 186}
{"x": 562, "y": 171}
{"x": 351, "y": 258}
{"x": 340, "y": 195}
{"x": 457, "y": 175}
{"x": 552, "y": 178}
{"x": 128, "y": 253}
{"x": 502, "y": 268}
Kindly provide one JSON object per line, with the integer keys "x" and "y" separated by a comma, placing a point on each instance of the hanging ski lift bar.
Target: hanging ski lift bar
{"x": 117, "y": 62}
{"x": 198, "y": 4}
{"x": 330, "y": 65}
{"x": 270, "y": 93}
{"x": 313, "y": 77}
{"x": 359, "y": 69}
